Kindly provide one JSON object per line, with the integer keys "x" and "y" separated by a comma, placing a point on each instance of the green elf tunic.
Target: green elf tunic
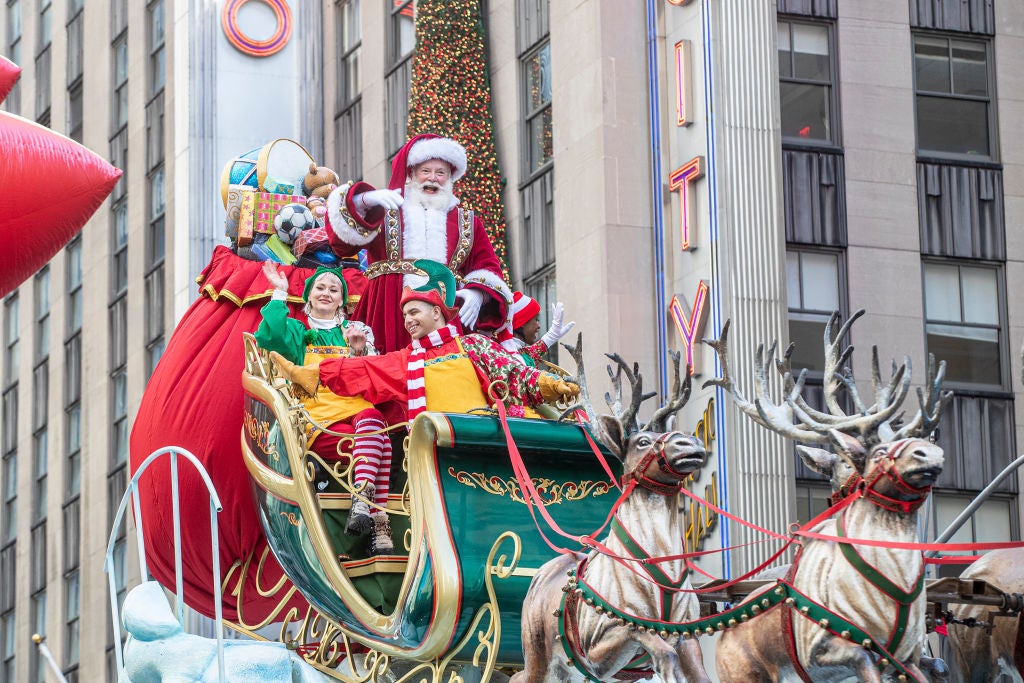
{"x": 279, "y": 332}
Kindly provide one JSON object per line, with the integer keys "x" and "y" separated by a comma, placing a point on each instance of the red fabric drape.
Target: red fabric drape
{"x": 194, "y": 401}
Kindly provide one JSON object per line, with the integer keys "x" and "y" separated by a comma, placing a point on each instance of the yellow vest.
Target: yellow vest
{"x": 326, "y": 407}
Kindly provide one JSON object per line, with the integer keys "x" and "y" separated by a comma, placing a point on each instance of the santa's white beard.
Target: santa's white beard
{"x": 442, "y": 199}
{"x": 425, "y": 225}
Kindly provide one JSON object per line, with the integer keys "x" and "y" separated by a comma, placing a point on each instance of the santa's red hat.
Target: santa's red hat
{"x": 422, "y": 148}
{"x": 523, "y": 309}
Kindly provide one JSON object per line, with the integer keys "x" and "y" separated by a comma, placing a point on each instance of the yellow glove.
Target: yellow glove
{"x": 553, "y": 388}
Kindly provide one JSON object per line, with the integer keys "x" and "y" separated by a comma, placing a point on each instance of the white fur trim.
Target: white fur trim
{"x": 339, "y": 224}
{"x": 493, "y": 282}
{"x": 424, "y": 235}
{"x": 445, "y": 149}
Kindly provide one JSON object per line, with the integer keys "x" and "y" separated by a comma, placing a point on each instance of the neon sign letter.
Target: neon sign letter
{"x": 683, "y": 96}
{"x": 691, "y": 327}
{"x": 681, "y": 179}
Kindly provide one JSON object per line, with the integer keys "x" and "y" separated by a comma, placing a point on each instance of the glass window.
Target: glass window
{"x": 40, "y": 465}
{"x": 72, "y": 591}
{"x": 993, "y": 521}
{"x": 74, "y": 286}
{"x": 45, "y": 23}
{"x": 813, "y": 292}
{"x": 42, "y": 309}
{"x": 962, "y": 321}
{"x": 157, "y": 66}
{"x": 7, "y": 644}
{"x": 539, "y": 149}
{"x": 11, "y": 336}
{"x": 402, "y": 34}
{"x": 10, "y": 420}
{"x": 119, "y": 230}
{"x": 349, "y": 42}
{"x": 120, "y": 91}
{"x": 38, "y": 626}
{"x": 954, "y": 99}
{"x": 10, "y": 520}
{"x": 806, "y": 81}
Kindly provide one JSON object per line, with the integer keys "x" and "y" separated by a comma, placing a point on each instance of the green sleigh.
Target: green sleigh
{"x": 466, "y": 544}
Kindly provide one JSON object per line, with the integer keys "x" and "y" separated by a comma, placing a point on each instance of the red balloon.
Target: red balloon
{"x": 9, "y": 73}
{"x": 51, "y": 186}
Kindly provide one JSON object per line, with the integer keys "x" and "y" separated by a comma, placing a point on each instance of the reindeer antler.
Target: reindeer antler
{"x": 628, "y": 416}
{"x": 678, "y": 398}
{"x": 580, "y": 379}
{"x": 794, "y": 418}
{"x": 932, "y": 403}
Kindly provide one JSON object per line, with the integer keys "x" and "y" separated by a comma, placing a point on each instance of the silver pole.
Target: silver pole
{"x": 40, "y": 642}
{"x": 955, "y": 525}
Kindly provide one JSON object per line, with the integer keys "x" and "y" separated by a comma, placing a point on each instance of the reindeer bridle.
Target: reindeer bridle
{"x": 916, "y": 496}
{"x": 639, "y": 473}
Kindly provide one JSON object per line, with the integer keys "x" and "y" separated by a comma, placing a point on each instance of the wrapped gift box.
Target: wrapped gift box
{"x": 311, "y": 240}
{"x": 267, "y": 206}
{"x": 241, "y": 200}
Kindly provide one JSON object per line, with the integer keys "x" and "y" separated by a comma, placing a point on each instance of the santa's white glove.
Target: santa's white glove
{"x": 386, "y": 199}
{"x": 472, "y": 299}
{"x": 557, "y": 329}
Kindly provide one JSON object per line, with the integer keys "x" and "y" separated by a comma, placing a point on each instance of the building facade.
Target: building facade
{"x": 667, "y": 165}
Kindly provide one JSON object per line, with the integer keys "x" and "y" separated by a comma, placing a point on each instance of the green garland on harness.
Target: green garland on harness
{"x": 783, "y": 594}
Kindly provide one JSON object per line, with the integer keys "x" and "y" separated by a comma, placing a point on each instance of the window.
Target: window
{"x": 962, "y": 307}
{"x": 42, "y": 302}
{"x": 401, "y": 41}
{"x": 119, "y": 398}
{"x": 40, "y": 465}
{"x": 45, "y": 23}
{"x": 806, "y": 76}
{"x": 954, "y": 87}
{"x": 120, "y": 81}
{"x": 348, "y": 123}
{"x": 10, "y": 473}
{"x": 401, "y": 31}
{"x": 73, "y": 262}
{"x": 157, "y": 206}
{"x": 541, "y": 288}
{"x": 7, "y": 645}
{"x": 73, "y": 445}
{"x": 11, "y": 336}
{"x": 155, "y": 132}
{"x": 538, "y": 148}
{"x": 72, "y": 591}
{"x": 38, "y": 673}
{"x": 157, "y": 65}
{"x": 119, "y": 217}
{"x": 154, "y": 304}
{"x": 13, "y": 101}
{"x": 75, "y": 46}
{"x": 813, "y": 293}
{"x": 993, "y": 521}
{"x": 118, "y": 16}
{"x": 811, "y": 500}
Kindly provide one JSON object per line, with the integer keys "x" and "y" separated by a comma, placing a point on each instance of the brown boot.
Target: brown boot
{"x": 380, "y": 537}
{"x": 304, "y": 378}
{"x": 360, "y": 521}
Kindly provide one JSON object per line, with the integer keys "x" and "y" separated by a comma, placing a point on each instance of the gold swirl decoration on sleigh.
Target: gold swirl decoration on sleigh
{"x": 551, "y": 492}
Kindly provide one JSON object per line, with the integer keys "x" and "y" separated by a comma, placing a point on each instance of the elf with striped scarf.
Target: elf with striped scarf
{"x": 441, "y": 370}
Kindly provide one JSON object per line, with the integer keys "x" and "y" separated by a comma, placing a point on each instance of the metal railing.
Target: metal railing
{"x": 132, "y": 494}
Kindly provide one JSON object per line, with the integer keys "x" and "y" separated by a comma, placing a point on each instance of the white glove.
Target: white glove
{"x": 386, "y": 199}
{"x": 472, "y": 299}
{"x": 557, "y": 329}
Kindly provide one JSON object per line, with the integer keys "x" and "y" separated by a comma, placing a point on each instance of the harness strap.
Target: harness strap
{"x": 657, "y": 573}
{"x": 789, "y": 638}
{"x": 903, "y": 599}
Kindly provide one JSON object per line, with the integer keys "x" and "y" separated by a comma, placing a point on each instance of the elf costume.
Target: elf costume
{"x": 346, "y": 413}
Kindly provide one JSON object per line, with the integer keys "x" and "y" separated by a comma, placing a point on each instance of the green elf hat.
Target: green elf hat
{"x": 336, "y": 272}
{"x": 439, "y": 289}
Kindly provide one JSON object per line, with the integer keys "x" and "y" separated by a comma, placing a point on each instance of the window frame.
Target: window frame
{"x": 972, "y": 388}
{"x": 842, "y": 290}
{"x": 836, "y": 143}
{"x": 991, "y": 119}
{"x": 530, "y": 169}
{"x": 12, "y": 339}
{"x": 156, "y": 53}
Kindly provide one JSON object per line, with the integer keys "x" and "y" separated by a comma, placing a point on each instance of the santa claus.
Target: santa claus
{"x": 418, "y": 217}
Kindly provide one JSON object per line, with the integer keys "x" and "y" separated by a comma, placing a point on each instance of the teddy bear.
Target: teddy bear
{"x": 317, "y": 184}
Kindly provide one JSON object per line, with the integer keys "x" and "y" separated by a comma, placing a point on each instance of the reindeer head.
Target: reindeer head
{"x": 657, "y": 458}
{"x": 892, "y": 456}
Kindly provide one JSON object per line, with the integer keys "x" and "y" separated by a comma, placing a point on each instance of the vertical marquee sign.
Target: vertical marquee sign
{"x": 684, "y": 92}
{"x": 682, "y": 179}
{"x": 691, "y": 327}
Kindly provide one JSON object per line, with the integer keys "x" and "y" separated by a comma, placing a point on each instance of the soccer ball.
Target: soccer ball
{"x": 291, "y": 220}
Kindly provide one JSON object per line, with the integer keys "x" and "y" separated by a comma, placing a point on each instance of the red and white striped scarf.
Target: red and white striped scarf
{"x": 417, "y": 388}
